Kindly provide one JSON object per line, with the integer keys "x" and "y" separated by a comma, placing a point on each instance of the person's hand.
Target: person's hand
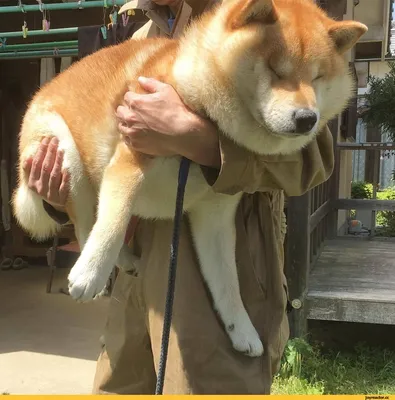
{"x": 46, "y": 177}
{"x": 160, "y": 124}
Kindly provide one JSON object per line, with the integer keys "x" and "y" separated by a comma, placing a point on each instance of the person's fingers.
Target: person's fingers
{"x": 64, "y": 187}
{"x": 27, "y": 165}
{"x": 136, "y": 132}
{"x": 131, "y": 99}
{"x": 152, "y": 85}
{"x": 125, "y": 114}
{"x": 38, "y": 159}
{"x": 55, "y": 178}
{"x": 125, "y": 129}
{"x": 49, "y": 162}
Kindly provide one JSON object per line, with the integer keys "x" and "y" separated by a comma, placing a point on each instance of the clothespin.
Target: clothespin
{"x": 45, "y": 21}
{"x": 24, "y": 29}
{"x": 55, "y": 51}
{"x": 40, "y": 5}
{"x": 46, "y": 24}
{"x": 20, "y": 5}
{"x": 125, "y": 19}
{"x": 114, "y": 14}
{"x": 113, "y": 19}
{"x": 3, "y": 43}
{"x": 104, "y": 32}
{"x": 105, "y": 5}
{"x": 24, "y": 26}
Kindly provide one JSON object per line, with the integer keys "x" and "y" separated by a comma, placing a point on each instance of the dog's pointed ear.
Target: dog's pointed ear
{"x": 249, "y": 11}
{"x": 346, "y": 33}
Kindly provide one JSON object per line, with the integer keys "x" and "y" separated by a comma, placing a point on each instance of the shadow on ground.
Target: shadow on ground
{"x": 46, "y": 338}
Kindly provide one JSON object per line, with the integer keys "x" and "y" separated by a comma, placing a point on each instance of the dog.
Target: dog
{"x": 269, "y": 73}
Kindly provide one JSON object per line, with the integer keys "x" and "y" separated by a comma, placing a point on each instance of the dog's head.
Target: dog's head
{"x": 285, "y": 59}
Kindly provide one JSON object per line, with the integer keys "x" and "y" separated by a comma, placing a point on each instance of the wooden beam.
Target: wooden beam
{"x": 373, "y": 134}
{"x": 364, "y": 204}
{"x": 366, "y": 146}
{"x": 334, "y": 181}
{"x": 320, "y": 214}
{"x": 351, "y": 310}
{"x": 376, "y": 177}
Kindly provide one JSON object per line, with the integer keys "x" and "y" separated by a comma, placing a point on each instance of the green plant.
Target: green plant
{"x": 361, "y": 190}
{"x": 386, "y": 218}
{"x": 294, "y": 386}
{"x": 305, "y": 369}
{"x": 295, "y": 351}
{"x": 381, "y": 102}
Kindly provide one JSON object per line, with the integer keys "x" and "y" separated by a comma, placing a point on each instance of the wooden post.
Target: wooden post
{"x": 334, "y": 181}
{"x": 298, "y": 260}
{"x": 376, "y": 181}
{"x": 373, "y": 134}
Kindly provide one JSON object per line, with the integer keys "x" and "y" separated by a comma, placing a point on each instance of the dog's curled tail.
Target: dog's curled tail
{"x": 30, "y": 213}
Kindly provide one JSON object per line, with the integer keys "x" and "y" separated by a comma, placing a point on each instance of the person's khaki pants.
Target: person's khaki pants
{"x": 201, "y": 359}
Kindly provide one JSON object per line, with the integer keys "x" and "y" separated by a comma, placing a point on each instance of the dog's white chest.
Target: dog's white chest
{"x": 156, "y": 196}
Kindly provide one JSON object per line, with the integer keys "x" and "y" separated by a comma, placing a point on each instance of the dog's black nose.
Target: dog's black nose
{"x": 305, "y": 120}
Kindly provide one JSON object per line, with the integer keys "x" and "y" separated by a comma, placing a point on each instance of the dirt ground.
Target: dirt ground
{"x": 48, "y": 342}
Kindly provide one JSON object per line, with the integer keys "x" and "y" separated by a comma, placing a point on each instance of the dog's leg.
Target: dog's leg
{"x": 91, "y": 271}
{"x": 213, "y": 229}
{"x": 81, "y": 212}
{"x": 81, "y": 205}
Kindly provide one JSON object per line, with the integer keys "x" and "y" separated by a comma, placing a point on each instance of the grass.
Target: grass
{"x": 308, "y": 369}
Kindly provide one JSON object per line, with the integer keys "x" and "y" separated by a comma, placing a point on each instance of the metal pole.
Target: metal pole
{"x": 60, "y": 6}
{"x": 39, "y": 46}
{"x": 39, "y": 32}
{"x": 11, "y": 55}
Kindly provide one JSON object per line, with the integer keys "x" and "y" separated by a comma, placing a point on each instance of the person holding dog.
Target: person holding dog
{"x": 201, "y": 359}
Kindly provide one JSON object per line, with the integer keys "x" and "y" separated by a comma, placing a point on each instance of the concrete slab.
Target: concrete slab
{"x": 48, "y": 342}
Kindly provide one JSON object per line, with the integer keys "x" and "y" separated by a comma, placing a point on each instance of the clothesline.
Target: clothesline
{"x": 61, "y": 6}
{"x": 73, "y": 52}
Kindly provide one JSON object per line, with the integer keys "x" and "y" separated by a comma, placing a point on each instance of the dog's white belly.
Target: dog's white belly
{"x": 156, "y": 196}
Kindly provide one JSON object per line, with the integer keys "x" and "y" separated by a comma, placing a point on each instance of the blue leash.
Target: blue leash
{"x": 182, "y": 181}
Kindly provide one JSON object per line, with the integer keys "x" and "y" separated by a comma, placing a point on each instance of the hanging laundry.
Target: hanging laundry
{"x": 65, "y": 63}
{"x": 47, "y": 70}
{"x": 90, "y": 38}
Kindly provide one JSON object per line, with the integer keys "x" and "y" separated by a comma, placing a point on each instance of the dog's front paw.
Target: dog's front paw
{"x": 244, "y": 337}
{"x": 84, "y": 284}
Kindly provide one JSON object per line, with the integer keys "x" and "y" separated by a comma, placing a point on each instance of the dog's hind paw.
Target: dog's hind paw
{"x": 245, "y": 338}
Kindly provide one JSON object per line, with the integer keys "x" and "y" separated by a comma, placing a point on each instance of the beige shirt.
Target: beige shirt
{"x": 158, "y": 16}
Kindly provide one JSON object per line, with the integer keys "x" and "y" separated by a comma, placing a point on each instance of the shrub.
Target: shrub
{"x": 361, "y": 190}
{"x": 387, "y": 218}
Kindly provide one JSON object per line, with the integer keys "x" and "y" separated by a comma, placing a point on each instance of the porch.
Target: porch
{"x": 353, "y": 280}
{"x": 333, "y": 275}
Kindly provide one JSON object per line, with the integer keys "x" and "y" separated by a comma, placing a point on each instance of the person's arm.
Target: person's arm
{"x": 242, "y": 170}
{"x": 47, "y": 179}
{"x": 160, "y": 124}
